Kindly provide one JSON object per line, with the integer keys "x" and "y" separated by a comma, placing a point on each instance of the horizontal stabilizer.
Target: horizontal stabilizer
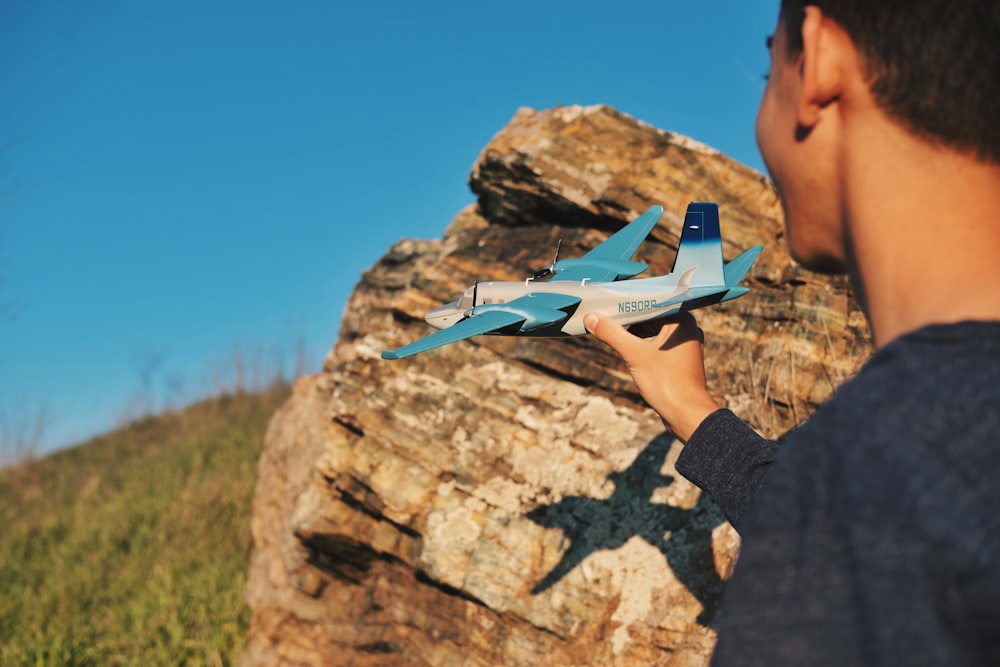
{"x": 734, "y": 293}
{"x": 478, "y": 324}
{"x": 736, "y": 269}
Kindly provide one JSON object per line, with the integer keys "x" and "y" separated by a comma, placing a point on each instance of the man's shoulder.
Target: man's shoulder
{"x": 922, "y": 414}
{"x": 882, "y": 506}
{"x": 934, "y": 377}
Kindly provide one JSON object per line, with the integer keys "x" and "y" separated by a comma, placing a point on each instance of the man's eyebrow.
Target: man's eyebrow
{"x": 769, "y": 41}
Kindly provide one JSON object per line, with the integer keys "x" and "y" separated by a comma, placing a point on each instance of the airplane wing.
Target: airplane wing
{"x": 610, "y": 260}
{"x": 475, "y": 325}
{"x": 527, "y": 312}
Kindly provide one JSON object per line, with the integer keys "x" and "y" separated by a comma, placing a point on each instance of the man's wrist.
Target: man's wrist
{"x": 684, "y": 422}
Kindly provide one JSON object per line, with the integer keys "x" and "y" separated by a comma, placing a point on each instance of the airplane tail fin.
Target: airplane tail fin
{"x": 701, "y": 246}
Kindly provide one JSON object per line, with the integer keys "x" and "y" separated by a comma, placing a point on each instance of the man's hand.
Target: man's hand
{"x": 668, "y": 366}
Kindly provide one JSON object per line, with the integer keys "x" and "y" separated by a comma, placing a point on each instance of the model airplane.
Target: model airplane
{"x": 575, "y": 287}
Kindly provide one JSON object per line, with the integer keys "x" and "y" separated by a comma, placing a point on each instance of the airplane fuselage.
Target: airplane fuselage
{"x": 627, "y": 302}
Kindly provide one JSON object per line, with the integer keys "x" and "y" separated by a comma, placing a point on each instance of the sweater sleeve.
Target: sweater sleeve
{"x": 729, "y": 460}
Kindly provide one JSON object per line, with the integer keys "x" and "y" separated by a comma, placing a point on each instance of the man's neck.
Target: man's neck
{"x": 923, "y": 224}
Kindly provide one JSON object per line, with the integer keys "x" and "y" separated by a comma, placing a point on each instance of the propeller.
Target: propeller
{"x": 475, "y": 294}
{"x": 551, "y": 268}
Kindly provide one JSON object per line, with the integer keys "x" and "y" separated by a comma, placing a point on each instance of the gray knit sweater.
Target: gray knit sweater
{"x": 871, "y": 533}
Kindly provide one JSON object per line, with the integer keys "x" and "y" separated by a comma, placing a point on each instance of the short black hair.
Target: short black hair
{"x": 933, "y": 65}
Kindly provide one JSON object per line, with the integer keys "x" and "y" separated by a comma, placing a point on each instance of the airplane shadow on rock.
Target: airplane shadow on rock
{"x": 683, "y": 536}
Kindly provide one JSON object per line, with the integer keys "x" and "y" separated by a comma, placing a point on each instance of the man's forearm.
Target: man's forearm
{"x": 727, "y": 459}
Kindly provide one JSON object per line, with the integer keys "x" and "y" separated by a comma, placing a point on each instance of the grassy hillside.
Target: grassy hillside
{"x": 133, "y": 548}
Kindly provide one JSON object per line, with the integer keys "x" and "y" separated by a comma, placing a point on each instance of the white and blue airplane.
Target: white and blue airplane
{"x": 575, "y": 287}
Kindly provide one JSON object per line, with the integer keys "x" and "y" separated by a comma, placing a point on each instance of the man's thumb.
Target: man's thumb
{"x": 606, "y": 330}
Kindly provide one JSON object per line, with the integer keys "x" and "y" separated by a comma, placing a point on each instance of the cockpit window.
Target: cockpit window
{"x": 465, "y": 301}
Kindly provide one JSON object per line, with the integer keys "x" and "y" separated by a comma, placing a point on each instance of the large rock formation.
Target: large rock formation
{"x": 511, "y": 501}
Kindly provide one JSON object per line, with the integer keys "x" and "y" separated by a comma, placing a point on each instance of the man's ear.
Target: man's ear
{"x": 825, "y": 51}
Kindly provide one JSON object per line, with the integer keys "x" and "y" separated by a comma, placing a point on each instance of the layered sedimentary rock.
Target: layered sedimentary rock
{"x": 512, "y": 501}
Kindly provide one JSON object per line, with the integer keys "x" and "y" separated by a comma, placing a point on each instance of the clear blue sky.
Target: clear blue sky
{"x": 181, "y": 178}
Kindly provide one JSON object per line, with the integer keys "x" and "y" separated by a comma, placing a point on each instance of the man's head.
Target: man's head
{"x": 933, "y": 65}
{"x": 844, "y": 68}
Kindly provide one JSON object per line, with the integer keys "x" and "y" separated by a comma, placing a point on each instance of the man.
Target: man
{"x": 871, "y": 533}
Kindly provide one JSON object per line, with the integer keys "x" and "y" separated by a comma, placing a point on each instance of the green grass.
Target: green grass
{"x": 132, "y": 549}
